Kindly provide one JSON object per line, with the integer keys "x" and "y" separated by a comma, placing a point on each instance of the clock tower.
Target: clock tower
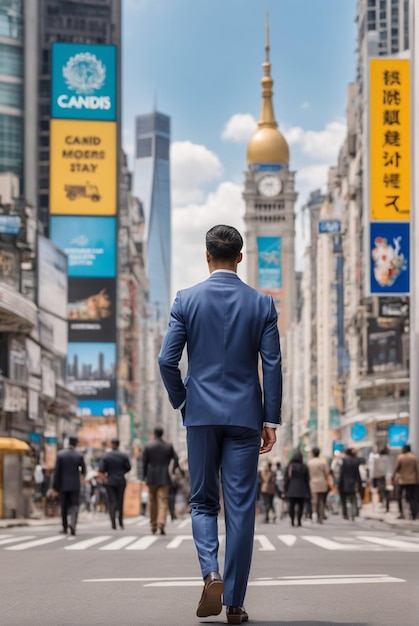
{"x": 269, "y": 195}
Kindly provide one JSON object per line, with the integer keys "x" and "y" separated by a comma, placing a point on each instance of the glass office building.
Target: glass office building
{"x": 11, "y": 87}
{"x": 152, "y": 185}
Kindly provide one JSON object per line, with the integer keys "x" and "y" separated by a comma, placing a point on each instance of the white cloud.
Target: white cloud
{"x": 192, "y": 166}
{"x": 305, "y": 105}
{"x": 322, "y": 145}
{"x": 312, "y": 177}
{"x": 239, "y": 128}
{"x": 189, "y": 225}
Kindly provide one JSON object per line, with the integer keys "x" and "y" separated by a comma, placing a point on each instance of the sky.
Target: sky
{"x": 200, "y": 62}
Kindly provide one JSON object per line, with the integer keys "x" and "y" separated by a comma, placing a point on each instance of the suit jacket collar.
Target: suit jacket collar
{"x": 223, "y": 274}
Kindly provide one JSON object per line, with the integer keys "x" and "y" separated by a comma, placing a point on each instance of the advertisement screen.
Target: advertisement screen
{"x": 91, "y": 370}
{"x": 96, "y": 408}
{"x": 390, "y": 251}
{"x": 83, "y": 81}
{"x": 91, "y": 309}
{"x": 89, "y": 242}
{"x": 384, "y": 350}
{"x": 269, "y": 262}
{"x": 52, "y": 278}
{"x": 83, "y": 168}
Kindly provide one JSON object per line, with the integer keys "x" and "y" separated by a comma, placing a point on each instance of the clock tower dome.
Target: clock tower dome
{"x": 269, "y": 195}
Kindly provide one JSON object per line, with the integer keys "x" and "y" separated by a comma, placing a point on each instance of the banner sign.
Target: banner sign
{"x": 9, "y": 224}
{"x": 83, "y": 168}
{"x": 398, "y": 435}
{"x": 91, "y": 309}
{"x": 330, "y": 227}
{"x": 83, "y": 81}
{"x": 384, "y": 345}
{"x": 91, "y": 370}
{"x": 89, "y": 242}
{"x": 52, "y": 278}
{"x": 389, "y": 139}
{"x": 269, "y": 262}
{"x": 389, "y": 258}
{"x": 98, "y": 408}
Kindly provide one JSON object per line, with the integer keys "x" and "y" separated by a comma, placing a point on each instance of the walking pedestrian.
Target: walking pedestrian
{"x": 406, "y": 474}
{"x": 157, "y": 457}
{"x": 297, "y": 486}
{"x": 320, "y": 480}
{"x": 226, "y": 325}
{"x": 267, "y": 489}
{"x": 113, "y": 466}
{"x": 349, "y": 483}
{"x": 66, "y": 482}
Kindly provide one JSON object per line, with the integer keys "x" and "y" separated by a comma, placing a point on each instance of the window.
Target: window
{"x": 11, "y": 142}
{"x": 11, "y": 19}
{"x": 11, "y": 95}
{"x": 144, "y": 148}
{"x": 11, "y": 60}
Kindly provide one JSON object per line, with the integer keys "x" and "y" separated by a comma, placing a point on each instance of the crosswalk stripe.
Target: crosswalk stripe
{"x": 185, "y": 522}
{"x": 177, "y": 541}
{"x": 35, "y": 544}
{"x": 143, "y": 522}
{"x": 265, "y": 544}
{"x": 392, "y": 543}
{"x": 4, "y": 536}
{"x": 14, "y": 539}
{"x": 329, "y": 544}
{"x": 118, "y": 544}
{"x": 289, "y": 540}
{"x": 142, "y": 544}
{"x": 87, "y": 543}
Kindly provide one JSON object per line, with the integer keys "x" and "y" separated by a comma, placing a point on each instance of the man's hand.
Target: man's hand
{"x": 268, "y": 439}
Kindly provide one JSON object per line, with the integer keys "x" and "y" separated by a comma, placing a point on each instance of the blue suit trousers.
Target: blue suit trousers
{"x": 235, "y": 451}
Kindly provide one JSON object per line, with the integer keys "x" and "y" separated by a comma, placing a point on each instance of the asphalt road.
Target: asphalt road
{"x": 359, "y": 574}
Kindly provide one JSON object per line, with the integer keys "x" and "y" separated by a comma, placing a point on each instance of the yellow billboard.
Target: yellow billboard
{"x": 83, "y": 170}
{"x": 389, "y": 114}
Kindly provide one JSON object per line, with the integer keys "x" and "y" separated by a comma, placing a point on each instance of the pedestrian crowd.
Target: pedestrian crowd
{"x": 311, "y": 489}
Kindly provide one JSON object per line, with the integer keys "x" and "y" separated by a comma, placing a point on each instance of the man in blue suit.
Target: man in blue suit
{"x": 226, "y": 325}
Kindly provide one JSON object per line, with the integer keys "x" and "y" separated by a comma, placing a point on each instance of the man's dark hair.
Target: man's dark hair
{"x": 158, "y": 431}
{"x": 73, "y": 440}
{"x": 316, "y": 452}
{"x": 406, "y": 448}
{"x": 224, "y": 243}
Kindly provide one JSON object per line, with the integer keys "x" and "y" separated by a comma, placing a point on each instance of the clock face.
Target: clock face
{"x": 269, "y": 186}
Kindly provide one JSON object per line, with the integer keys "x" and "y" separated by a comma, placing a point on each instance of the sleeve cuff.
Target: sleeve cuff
{"x": 270, "y": 425}
{"x": 180, "y": 407}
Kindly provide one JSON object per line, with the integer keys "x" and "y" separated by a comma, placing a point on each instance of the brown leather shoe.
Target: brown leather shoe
{"x": 210, "y": 602}
{"x": 236, "y": 615}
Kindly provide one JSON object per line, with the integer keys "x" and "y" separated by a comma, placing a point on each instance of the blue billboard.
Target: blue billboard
{"x": 269, "y": 262}
{"x": 91, "y": 372}
{"x": 83, "y": 82}
{"x": 89, "y": 242}
{"x": 96, "y": 408}
{"x": 398, "y": 435}
{"x": 330, "y": 227}
{"x": 389, "y": 258}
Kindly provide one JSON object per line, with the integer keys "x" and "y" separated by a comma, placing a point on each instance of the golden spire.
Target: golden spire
{"x": 267, "y": 145}
{"x": 267, "y": 117}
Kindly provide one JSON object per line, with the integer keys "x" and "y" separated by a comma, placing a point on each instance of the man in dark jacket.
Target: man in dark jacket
{"x": 349, "y": 481}
{"x": 66, "y": 482}
{"x": 156, "y": 458}
{"x": 115, "y": 464}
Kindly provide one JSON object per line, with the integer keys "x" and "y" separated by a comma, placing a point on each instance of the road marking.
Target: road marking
{"x": 14, "y": 539}
{"x": 143, "y": 522}
{"x": 289, "y": 540}
{"x": 393, "y": 543}
{"x": 87, "y": 543}
{"x": 142, "y": 544}
{"x": 329, "y": 544}
{"x": 119, "y": 543}
{"x": 5, "y": 536}
{"x": 185, "y": 522}
{"x": 138, "y": 580}
{"x": 287, "y": 582}
{"x": 34, "y": 544}
{"x": 265, "y": 544}
{"x": 177, "y": 541}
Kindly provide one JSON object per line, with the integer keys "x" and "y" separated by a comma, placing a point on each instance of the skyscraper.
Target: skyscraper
{"x": 48, "y": 21}
{"x": 390, "y": 19}
{"x": 11, "y": 87}
{"x": 152, "y": 186}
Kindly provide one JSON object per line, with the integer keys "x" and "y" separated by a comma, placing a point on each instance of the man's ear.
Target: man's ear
{"x": 240, "y": 257}
{"x": 208, "y": 257}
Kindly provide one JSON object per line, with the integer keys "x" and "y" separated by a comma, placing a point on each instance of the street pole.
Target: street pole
{"x": 414, "y": 230}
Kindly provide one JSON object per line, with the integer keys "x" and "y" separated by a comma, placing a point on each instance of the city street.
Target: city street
{"x": 359, "y": 573}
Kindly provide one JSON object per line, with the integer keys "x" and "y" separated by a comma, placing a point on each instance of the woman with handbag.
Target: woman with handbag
{"x": 297, "y": 486}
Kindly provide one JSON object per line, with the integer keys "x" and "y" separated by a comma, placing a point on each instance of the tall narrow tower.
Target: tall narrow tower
{"x": 270, "y": 196}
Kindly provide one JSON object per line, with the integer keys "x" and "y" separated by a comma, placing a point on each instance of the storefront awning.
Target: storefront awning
{"x": 10, "y": 445}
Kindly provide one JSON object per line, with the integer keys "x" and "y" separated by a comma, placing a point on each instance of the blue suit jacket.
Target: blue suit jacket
{"x": 226, "y": 325}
